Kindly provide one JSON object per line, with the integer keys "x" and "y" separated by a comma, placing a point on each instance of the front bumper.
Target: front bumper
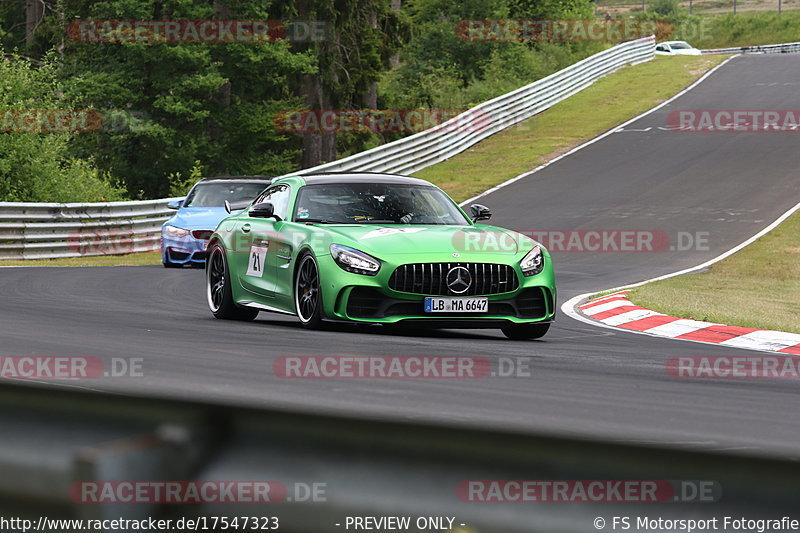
{"x": 183, "y": 250}
{"x": 533, "y": 304}
{"x": 359, "y": 298}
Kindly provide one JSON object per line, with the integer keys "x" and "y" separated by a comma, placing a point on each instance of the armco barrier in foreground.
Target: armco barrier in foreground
{"x": 36, "y": 231}
{"x": 785, "y": 48}
{"x": 59, "y": 447}
{"x": 39, "y": 231}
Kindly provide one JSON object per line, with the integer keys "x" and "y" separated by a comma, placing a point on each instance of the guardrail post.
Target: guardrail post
{"x": 171, "y": 453}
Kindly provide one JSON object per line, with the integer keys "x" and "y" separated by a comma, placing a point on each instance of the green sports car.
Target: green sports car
{"x": 377, "y": 248}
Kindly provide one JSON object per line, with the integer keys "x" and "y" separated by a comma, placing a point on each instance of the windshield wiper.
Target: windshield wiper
{"x": 319, "y": 221}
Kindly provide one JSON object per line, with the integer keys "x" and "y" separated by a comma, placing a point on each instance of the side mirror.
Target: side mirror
{"x": 175, "y": 204}
{"x": 263, "y": 210}
{"x": 236, "y": 206}
{"x": 480, "y": 212}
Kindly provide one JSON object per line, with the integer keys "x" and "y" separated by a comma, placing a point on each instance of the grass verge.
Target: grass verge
{"x": 143, "y": 258}
{"x": 743, "y": 29}
{"x": 756, "y": 287}
{"x": 609, "y": 102}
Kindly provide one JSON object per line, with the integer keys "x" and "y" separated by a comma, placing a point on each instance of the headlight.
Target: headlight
{"x": 352, "y": 260}
{"x": 533, "y": 262}
{"x": 172, "y": 231}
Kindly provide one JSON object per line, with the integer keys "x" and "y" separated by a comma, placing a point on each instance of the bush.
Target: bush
{"x": 38, "y": 167}
{"x": 440, "y": 70}
{"x": 664, "y": 7}
{"x": 180, "y": 186}
{"x": 508, "y": 67}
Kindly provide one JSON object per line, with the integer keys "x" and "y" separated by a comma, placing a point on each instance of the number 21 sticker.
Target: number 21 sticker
{"x": 255, "y": 265}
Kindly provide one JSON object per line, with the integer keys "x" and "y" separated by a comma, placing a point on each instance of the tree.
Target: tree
{"x": 362, "y": 36}
{"x": 183, "y": 102}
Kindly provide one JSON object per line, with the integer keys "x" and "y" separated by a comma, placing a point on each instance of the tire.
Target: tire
{"x": 307, "y": 293}
{"x": 218, "y": 288}
{"x": 522, "y": 332}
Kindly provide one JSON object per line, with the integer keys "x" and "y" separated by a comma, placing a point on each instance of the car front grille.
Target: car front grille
{"x": 533, "y": 303}
{"x": 202, "y": 234}
{"x": 432, "y": 279}
{"x": 365, "y": 302}
{"x": 178, "y": 256}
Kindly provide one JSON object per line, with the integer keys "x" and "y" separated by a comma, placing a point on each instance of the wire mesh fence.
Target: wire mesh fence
{"x": 615, "y": 8}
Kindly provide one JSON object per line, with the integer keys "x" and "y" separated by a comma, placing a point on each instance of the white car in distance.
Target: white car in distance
{"x": 676, "y": 48}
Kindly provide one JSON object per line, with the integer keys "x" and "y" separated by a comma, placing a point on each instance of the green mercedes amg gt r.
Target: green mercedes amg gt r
{"x": 377, "y": 248}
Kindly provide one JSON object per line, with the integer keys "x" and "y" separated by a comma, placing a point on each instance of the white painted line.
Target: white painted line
{"x": 599, "y": 137}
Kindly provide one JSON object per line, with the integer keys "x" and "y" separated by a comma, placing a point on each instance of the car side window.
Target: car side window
{"x": 278, "y": 196}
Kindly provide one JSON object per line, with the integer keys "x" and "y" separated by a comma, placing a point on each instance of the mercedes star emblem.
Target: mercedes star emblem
{"x": 459, "y": 280}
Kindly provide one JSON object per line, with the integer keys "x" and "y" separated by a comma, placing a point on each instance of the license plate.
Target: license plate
{"x": 456, "y": 305}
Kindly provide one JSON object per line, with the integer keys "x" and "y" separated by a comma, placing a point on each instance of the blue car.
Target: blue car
{"x": 184, "y": 237}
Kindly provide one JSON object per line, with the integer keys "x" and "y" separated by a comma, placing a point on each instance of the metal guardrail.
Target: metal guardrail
{"x": 54, "y": 438}
{"x": 38, "y": 231}
{"x": 785, "y": 48}
{"x": 42, "y": 231}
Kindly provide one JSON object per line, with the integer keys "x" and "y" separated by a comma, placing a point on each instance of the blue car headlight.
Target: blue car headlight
{"x": 355, "y": 261}
{"x": 173, "y": 231}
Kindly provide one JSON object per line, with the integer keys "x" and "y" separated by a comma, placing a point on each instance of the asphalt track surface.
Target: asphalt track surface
{"x": 586, "y": 381}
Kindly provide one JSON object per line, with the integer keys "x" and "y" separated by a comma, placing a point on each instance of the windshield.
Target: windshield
{"x": 376, "y": 203}
{"x": 680, "y": 46}
{"x": 214, "y": 193}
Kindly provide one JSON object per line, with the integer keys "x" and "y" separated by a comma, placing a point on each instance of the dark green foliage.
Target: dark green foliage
{"x": 171, "y": 109}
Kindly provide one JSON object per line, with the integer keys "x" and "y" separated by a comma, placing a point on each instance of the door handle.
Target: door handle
{"x": 246, "y": 228}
